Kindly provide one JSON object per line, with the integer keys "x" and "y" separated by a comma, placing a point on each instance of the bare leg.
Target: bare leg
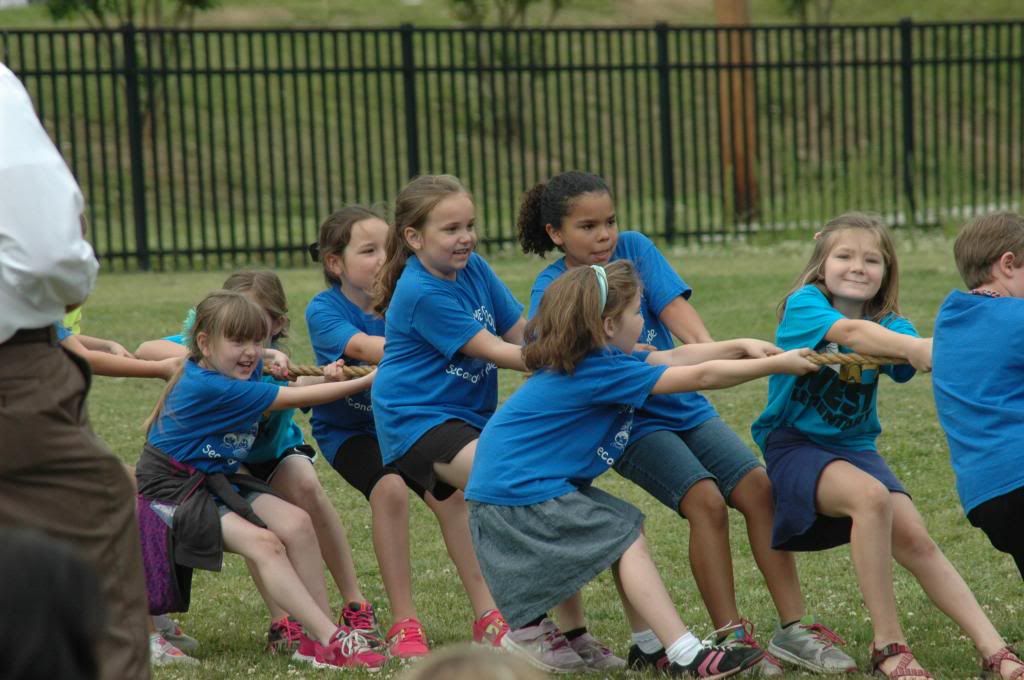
{"x": 389, "y": 505}
{"x": 845, "y": 491}
{"x": 646, "y": 599}
{"x": 710, "y": 553}
{"x": 456, "y": 472}
{"x": 753, "y": 498}
{"x": 284, "y": 585}
{"x": 296, "y": 480}
{"x": 453, "y": 517}
{"x": 915, "y": 550}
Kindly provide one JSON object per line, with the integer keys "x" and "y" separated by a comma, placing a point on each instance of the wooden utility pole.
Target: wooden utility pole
{"x": 737, "y": 105}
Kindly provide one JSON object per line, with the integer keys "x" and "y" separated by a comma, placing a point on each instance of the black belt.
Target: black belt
{"x": 31, "y": 335}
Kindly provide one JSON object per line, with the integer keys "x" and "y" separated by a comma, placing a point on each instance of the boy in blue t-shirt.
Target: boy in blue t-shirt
{"x": 978, "y": 360}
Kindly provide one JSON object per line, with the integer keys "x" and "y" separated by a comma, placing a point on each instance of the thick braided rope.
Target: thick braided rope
{"x": 348, "y": 371}
{"x": 852, "y": 359}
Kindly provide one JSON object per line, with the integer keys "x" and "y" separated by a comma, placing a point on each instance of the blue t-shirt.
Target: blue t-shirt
{"x": 63, "y": 332}
{"x": 834, "y": 406}
{"x": 278, "y": 431}
{"x": 558, "y": 432}
{"x": 333, "y": 320}
{"x": 209, "y": 420}
{"x": 423, "y": 379}
{"x": 662, "y": 285}
{"x": 978, "y": 380}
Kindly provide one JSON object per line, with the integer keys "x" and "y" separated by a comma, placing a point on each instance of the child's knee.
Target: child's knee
{"x": 914, "y": 545}
{"x": 294, "y": 526}
{"x": 390, "y": 495}
{"x": 265, "y": 546}
{"x": 704, "y": 503}
{"x": 753, "y": 495}
{"x": 872, "y": 499}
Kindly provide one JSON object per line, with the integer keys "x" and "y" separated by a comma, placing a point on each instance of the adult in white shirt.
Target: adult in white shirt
{"x": 55, "y": 473}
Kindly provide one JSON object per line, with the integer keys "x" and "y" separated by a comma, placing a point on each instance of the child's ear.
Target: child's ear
{"x": 610, "y": 326}
{"x": 332, "y": 261}
{"x": 203, "y": 342}
{"x": 1006, "y": 263}
{"x": 554, "y": 234}
{"x": 413, "y": 237}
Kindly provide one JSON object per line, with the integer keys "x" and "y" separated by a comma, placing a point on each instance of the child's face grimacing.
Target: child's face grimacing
{"x": 624, "y": 330}
{"x": 446, "y": 240}
{"x": 233, "y": 358}
{"x": 588, "y": 232}
{"x": 358, "y": 264}
{"x": 854, "y": 268}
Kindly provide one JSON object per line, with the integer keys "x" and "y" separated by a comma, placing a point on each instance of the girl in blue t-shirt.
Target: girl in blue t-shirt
{"x": 207, "y": 421}
{"x": 818, "y": 435}
{"x": 342, "y": 325}
{"x": 280, "y": 457}
{"x": 540, "y": 530}
{"x": 450, "y": 325}
{"x": 681, "y": 452}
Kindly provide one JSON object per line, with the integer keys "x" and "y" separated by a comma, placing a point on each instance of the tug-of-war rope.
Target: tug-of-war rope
{"x": 821, "y": 359}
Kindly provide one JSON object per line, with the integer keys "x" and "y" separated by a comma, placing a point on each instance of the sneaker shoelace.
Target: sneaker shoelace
{"x": 288, "y": 629}
{"x": 352, "y": 643}
{"x": 411, "y": 631}
{"x": 361, "y": 618}
{"x": 824, "y": 634}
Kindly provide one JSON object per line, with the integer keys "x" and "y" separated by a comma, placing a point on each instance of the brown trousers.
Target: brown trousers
{"x": 57, "y": 476}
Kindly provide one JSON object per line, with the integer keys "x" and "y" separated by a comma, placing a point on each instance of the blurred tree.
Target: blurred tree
{"x": 142, "y": 13}
{"x": 507, "y": 13}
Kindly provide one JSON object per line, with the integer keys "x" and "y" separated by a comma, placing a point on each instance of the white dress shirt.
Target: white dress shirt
{"x": 45, "y": 263}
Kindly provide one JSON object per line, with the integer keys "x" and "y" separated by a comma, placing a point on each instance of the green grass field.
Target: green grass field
{"x": 737, "y": 288}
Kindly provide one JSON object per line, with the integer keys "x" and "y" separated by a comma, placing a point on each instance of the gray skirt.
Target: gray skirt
{"x": 535, "y": 556}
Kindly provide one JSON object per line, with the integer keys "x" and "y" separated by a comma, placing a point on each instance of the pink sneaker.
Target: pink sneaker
{"x": 284, "y": 635}
{"x": 349, "y": 649}
{"x": 307, "y": 648}
{"x": 407, "y": 640}
{"x": 489, "y": 628}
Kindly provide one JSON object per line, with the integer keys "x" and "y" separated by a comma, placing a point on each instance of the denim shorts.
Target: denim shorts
{"x": 667, "y": 463}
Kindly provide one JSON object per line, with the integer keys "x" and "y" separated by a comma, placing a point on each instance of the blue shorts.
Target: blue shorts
{"x": 795, "y": 464}
{"x": 666, "y": 463}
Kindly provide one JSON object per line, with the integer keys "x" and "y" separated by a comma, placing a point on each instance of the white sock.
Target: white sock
{"x": 647, "y": 641}
{"x": 684, "y": 650}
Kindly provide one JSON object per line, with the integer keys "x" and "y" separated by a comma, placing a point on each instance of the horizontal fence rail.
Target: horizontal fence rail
{"x": 199, "y": 148}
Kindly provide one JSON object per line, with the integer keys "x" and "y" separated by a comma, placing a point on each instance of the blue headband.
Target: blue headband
{"x": 602, "y": 283}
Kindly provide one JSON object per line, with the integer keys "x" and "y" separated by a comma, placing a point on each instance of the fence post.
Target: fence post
{"x": 665, "y": 123}
{"x": 412, "y": 135}
{"x": 907, "y": 94}
{"x": 131, "y": 79}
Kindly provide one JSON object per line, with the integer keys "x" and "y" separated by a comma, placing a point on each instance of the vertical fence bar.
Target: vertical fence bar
{"x": 131, "y": 77}
{"x": 412, "y": 140}
{"x": 665, "y": 125}
{"x": 907, "y": 95}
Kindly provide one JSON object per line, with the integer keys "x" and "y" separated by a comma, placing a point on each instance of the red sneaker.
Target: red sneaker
{"x": 407, "y": 640}
{"x": 489, "y": 628}
{"x": 349, "y": 649}
{"x": 284, "y": 635}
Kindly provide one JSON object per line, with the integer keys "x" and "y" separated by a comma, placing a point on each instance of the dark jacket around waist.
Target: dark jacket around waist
{"x": 198, "y": 541}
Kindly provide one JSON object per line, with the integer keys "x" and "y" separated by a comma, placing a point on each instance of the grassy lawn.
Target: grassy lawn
{"x": 737, "y": 288}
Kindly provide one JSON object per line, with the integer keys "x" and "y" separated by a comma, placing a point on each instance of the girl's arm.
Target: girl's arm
{"x": 868, "y": 337}
{"x": 684, "y": 321}
{"x": 102, "y": 363}
{"x": 489, "y": 347}
{"x": 324, "y": 393}
{"x": 716, "y": 374}
{"x": 154, "y": 350}
{"x": 515, "y": 334}
{"x": 102, "y": 345}
{"x": 688, "y": 355}
{"x": 365, "y": 347}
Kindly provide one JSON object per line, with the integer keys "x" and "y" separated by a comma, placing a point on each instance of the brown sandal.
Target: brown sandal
{"x": 990, "y": 666}
{"x": 902, "y": 669}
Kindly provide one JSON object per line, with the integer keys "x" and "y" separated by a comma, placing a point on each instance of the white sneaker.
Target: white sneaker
{"x": 173, "y": 633}
{"x": 543, "y": 646}
{"x": 163, "y": 653}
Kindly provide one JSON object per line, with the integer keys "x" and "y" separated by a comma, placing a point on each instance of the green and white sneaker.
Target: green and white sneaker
{"x": 811, "y": 646}
{"x": 742, "y": 635}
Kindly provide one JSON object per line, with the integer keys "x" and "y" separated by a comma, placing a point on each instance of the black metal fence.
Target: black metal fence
{"x": 216, "y": 147}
